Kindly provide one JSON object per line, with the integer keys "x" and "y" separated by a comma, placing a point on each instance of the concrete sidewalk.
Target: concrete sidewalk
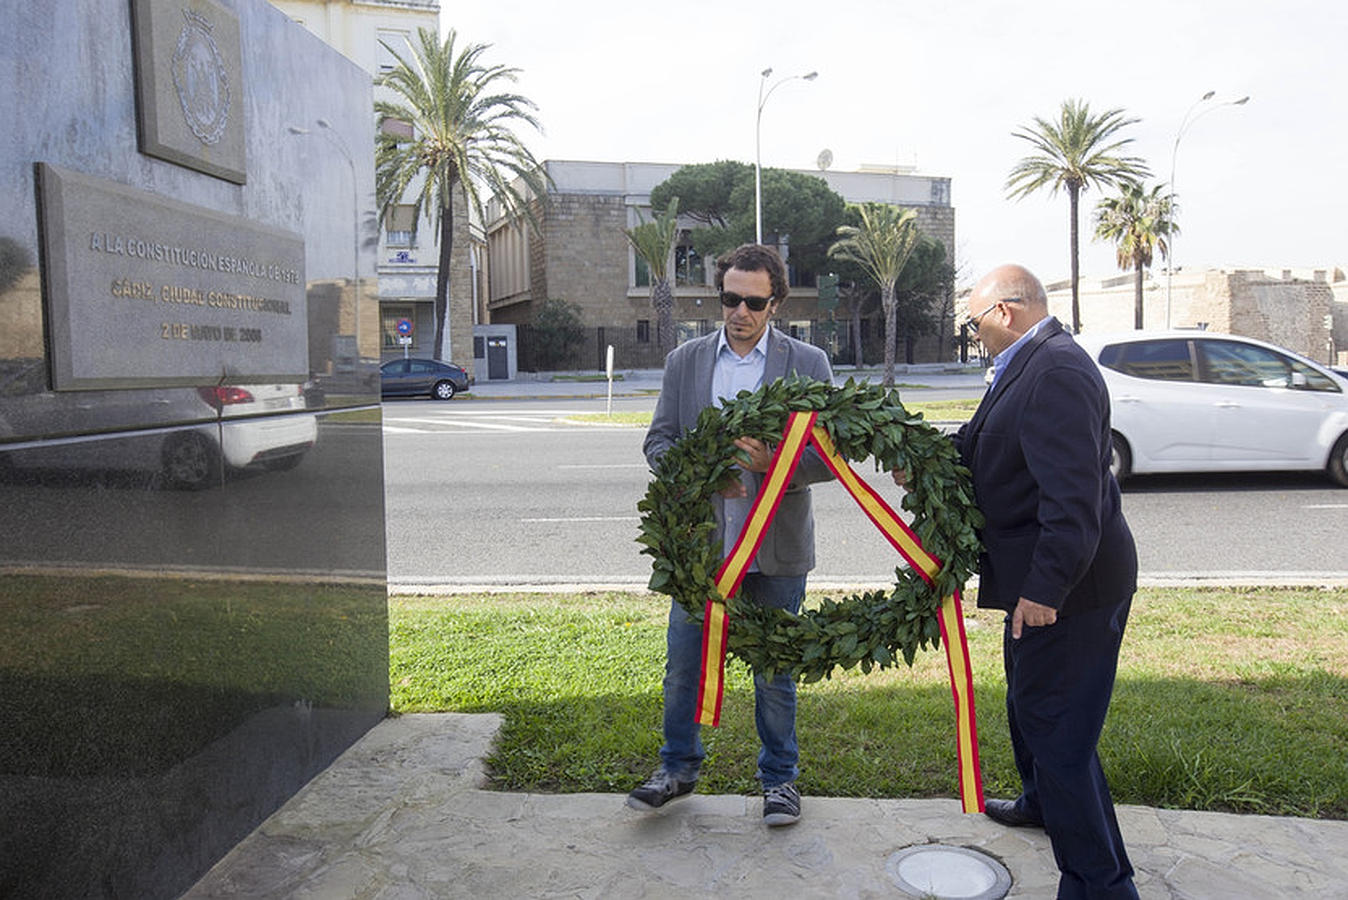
{"x": 403, "y": 815}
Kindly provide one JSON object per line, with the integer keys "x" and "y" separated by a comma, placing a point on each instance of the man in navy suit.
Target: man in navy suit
{"x": 746, "y": 353}
{"x": 1059, "y": 559}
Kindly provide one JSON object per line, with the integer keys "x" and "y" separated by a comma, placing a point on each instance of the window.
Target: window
{"x": 383, "y": 55}
{"x": 390, "y": 315}
{"x": 687, "y": 329}
{"x": 479, "y": 347}
{"x": 507, "y": 261}
{"x": 1233, "y": 362}
{"x": 642, "y": 271}
{"x": 800, "y": 277}
{"x": 1166, "y": 360}
{"x": 400, "y": 225}
{"x": 397, "y": 128}
{"x": 643, "y": 331}
{"x": 688, "y": 265}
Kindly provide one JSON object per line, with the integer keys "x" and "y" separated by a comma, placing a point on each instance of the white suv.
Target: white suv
{"x": 1190, "y": 401}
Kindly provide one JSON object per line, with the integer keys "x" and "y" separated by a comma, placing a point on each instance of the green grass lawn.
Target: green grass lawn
{"x": 932, "y": 411}
{"x": 1226, "y": 700}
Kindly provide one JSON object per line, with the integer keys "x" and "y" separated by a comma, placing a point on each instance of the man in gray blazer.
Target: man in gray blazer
{"x": 746, "y": 353}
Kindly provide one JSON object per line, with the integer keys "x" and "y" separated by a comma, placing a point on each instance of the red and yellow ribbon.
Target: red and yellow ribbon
{"x": 801, "y": 430}
{"x": 716, "y": 626}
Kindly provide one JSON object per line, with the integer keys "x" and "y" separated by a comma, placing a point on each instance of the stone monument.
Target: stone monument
{"x": 192, "y": 587}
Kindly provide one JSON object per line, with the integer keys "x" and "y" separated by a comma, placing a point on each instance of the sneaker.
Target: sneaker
{"x": 781, "y": 804}
{"x": 658, "y": 790}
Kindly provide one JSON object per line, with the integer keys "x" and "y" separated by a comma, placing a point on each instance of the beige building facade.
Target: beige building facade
{"x": 580, "y": 255}
{"x": 1305, "y": 310}
{"x": 408, "y": 252}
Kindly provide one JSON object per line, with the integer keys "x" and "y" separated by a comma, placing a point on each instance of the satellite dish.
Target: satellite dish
{"x": 825, "y": 159}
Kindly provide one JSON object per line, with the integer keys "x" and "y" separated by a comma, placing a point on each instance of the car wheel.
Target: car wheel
{"x": 191, "y": 462}
{"x": 1120, "y": 460}
{"x": 443, "y": 390}
{"x": 1338, "y": 462}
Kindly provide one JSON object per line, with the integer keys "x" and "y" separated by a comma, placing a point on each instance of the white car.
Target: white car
{"x": 236, "y": 427}
{"x": 191, "y": 458}
{"x": 1196, "y": 401}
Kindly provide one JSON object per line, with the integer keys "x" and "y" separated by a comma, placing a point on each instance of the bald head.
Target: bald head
{"x": 1013, "y": 281}
{"x": 1012, "y": 301}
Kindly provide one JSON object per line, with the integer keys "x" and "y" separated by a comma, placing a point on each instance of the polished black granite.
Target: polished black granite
{"x": 193, "y": 615}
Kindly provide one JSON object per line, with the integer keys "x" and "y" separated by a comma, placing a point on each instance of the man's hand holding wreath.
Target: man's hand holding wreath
{"x": 872, "y": 629}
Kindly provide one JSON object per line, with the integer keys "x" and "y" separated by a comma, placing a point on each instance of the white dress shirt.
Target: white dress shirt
{"x": 734, "y": 373}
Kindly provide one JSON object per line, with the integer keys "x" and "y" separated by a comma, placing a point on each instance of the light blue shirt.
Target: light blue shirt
{"x": 1003, "y": 359}
{"x": 734, "y": 373}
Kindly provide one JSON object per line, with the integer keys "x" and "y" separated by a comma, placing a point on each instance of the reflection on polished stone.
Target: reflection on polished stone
{"x": 174, "y": 664}
{"x": 134, "y": 706}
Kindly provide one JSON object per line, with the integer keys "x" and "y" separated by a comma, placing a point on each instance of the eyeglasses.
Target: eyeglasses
{"x": 973, "y": 321}
{"x": 757, "y": 304}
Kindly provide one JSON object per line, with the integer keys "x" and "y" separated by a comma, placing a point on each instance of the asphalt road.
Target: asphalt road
{"x": 504, "y": 492}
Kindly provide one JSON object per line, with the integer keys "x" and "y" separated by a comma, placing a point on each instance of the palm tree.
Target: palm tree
{"x": 1138, "y": 221}
{"x": 654, "y": 243}
{"x": 460, "y": 141}
{"x": 880, "y": 245}
{"x": 1076, "y": 152}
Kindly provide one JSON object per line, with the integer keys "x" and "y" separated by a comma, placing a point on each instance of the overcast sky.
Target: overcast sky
{"x": 941, "y": 85}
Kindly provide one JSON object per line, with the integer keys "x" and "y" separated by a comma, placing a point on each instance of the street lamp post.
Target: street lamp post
{"x": 1185, "y": 124}
{"x": 758, "y": 142}
{"x": 355, "y": 220}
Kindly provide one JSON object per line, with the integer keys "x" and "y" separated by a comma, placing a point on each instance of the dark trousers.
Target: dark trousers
{"x": 1059, "y": 680}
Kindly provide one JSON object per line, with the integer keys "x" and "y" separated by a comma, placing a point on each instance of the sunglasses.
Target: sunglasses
{"x": 757, "y": 304}
{"x": 973, "y": 321}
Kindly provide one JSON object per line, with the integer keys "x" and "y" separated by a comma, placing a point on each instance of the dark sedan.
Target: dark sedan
{"x": 421, "y": 378}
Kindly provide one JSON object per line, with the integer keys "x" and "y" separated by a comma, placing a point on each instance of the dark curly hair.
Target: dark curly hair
{"x": 755, "y": 258}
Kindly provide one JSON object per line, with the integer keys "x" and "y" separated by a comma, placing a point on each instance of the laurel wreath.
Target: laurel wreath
{"x": 873, "y": 629}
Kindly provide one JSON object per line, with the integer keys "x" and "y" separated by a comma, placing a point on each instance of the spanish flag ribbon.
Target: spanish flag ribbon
{"x": 715, "y": 626}
{"x": 800, "y": 430}
{"x": 962, "y": 688}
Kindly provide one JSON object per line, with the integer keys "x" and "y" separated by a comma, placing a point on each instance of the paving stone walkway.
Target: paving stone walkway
{"x": 402, "y": 815}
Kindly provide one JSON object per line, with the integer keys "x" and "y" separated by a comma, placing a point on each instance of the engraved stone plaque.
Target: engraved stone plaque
{"x": 144, "y": 291}
{"x": 189, "y": 87}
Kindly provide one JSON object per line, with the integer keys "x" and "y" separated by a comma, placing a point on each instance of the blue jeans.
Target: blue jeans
{"x": 774, "y": 701}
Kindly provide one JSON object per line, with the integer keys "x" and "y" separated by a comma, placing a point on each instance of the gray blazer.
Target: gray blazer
{"x": 788, "y": 547}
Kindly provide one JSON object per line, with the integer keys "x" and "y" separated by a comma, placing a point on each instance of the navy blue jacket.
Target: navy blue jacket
{"x": 1039, "y": 449}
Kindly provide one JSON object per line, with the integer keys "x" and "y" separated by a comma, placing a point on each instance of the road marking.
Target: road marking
{"x": 481, "y": 423}
{"x": 604, "y": 466}
{"x": 586, "y": 519}
{"x": 540, "y": 418}
{"x": 1326, "y": 506}
{"x": 455, "y": 415}
{"x": 461, "y": 423}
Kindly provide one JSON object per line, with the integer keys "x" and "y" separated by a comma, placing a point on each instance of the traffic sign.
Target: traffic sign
{"x": 404, "y": 327}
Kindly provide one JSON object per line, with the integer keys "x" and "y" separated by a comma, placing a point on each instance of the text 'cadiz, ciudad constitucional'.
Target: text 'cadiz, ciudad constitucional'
{"x": 171, "y": 293}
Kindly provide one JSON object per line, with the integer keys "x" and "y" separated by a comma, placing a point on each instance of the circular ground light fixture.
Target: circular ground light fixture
{"x": 941, "y": 872}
